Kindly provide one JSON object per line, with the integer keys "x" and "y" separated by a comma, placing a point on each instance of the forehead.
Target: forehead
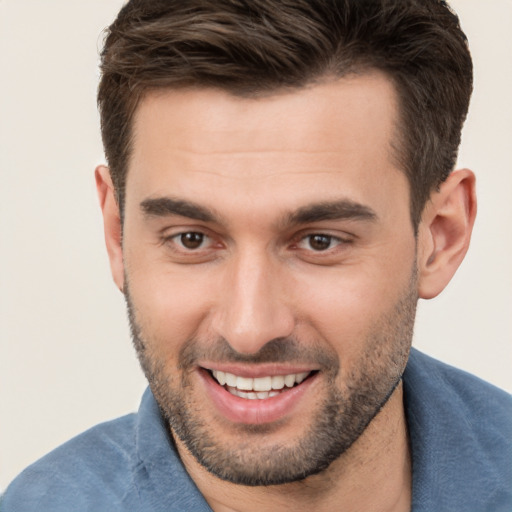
{"x": 333, "y": 136}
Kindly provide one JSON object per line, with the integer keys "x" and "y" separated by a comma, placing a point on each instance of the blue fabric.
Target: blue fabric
{"x": 461, "y": 440}
{"x": 460, "y": 430}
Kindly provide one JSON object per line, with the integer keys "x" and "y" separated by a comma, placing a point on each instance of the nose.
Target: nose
{"x": 253, "y": 308}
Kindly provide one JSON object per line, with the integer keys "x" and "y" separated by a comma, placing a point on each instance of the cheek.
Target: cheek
{"x": 346, "y": 305}
{"x": 340, "y": 308}
{"x": 170, "y": 306}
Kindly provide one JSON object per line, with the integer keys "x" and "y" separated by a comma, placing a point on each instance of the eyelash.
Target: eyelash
{"x": 326, "y": 236}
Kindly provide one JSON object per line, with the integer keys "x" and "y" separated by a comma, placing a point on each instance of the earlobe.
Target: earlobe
{"x": 445, "y": 232}
{"x": 111, "y": 223}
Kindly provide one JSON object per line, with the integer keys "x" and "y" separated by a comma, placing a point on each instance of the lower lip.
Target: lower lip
{"x": 258, "y": 411}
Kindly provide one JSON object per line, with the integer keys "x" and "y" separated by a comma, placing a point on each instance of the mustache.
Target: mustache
{"x": 277, "y": 350}
{"x": 217, "y": 349}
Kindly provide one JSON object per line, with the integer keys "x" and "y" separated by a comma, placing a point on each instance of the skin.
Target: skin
{"x": 255, "y": 164}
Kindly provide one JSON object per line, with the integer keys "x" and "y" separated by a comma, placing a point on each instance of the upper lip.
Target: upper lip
{"x": 260, "y": 370}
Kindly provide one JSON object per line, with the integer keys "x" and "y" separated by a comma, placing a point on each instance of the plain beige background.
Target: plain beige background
{"x": 66, "y": 361}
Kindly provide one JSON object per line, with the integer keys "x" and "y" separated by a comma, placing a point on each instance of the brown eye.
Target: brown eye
{"x": 320, "y": 242}
{"x": 192, "y": 240}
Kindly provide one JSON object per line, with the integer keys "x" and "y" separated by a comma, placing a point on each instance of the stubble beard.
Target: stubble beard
{"x": 340, "y": 417}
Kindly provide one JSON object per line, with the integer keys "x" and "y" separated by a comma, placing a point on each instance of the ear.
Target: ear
{"x": 445, "y": 232}
{"x": 111, "y": 223}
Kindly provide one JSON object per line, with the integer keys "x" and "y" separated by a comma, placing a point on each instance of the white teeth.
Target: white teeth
{"x": 243, "y": 394}
{"x": 261, "y": 395}
{"x": 299, "y": 377}
{"x": 289, "y": 381}
{"x": 243, "y": 383}
{"x": 220, "y": 376}
{"x": 230, "y": 379}
{"x": 277, "y": 382}
{"x": 262, "y": 384}
{"x": 259, "y": 387}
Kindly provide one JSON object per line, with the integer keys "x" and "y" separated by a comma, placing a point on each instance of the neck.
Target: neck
{"x": 374, "y": 474}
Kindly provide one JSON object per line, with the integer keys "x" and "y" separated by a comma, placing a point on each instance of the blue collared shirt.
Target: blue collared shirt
{"x": 460, "y": 432}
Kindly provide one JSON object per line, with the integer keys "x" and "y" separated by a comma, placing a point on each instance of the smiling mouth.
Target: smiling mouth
{"x": 258, "y": 388}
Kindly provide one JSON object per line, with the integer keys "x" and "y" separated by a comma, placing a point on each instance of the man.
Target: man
{"x": 280, "y": 192}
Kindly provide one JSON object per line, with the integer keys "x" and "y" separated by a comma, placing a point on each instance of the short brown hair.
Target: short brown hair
{"x": 254, "y": 47}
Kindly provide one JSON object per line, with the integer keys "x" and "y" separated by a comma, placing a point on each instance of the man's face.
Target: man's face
{"x": 268, "y": 243}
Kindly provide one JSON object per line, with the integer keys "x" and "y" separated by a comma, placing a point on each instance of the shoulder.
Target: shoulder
{"x": 456, "y": 388}
{"x": 96, "y": 465}
{"x": 120, "y": 466}
{"x": 461, "y": 437}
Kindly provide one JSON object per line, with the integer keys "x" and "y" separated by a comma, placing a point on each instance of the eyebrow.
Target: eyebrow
{"x": 164, "y": 206}
{"x": 344, "y": 209}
